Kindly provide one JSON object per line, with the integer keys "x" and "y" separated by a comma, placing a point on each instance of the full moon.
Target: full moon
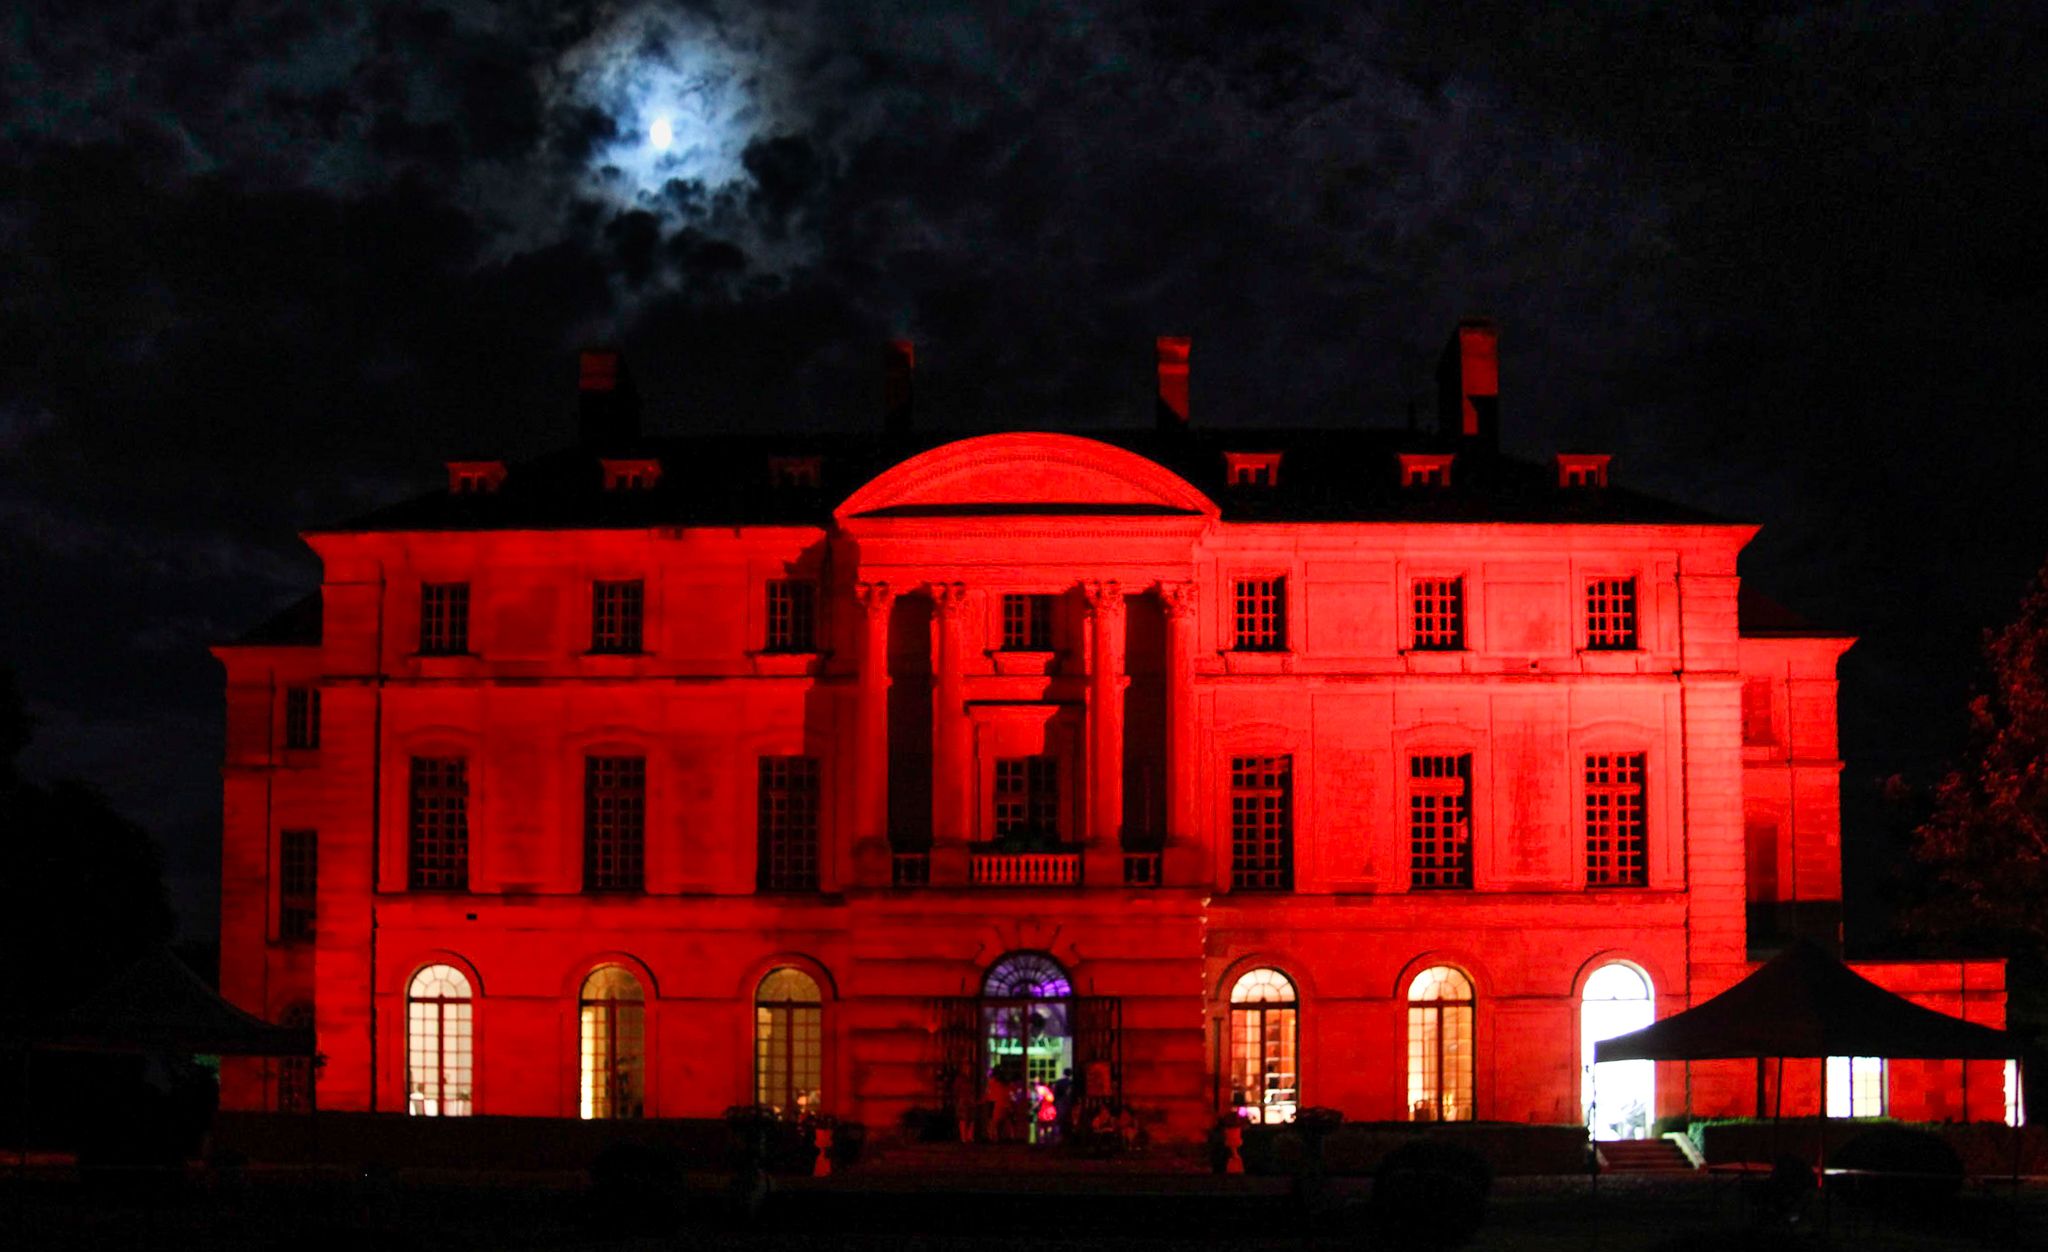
{"x": 661, "y": 134}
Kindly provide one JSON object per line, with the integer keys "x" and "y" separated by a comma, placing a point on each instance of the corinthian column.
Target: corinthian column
{"x": 1106, "y": 732}
{"x": 871, "y": 783}
{"x": 1180, "y": 601}
{"x": 952, "y": 746}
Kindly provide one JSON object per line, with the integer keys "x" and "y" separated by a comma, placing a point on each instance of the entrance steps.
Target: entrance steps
{"x": 994, "y": 1161}
{"x": 1644, "y": 1156}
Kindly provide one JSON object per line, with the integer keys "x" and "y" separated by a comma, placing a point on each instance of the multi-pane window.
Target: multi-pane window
{"x": 298, "y": 873}
{"x": 437, "y": 824}
{"x": 1265, "y": 1062}
{"x": 1617, "y": 840}
{"x": 788, "y": 1042}
{"x": 1440, "y": 1046}
{"x": 438, "y": 1034}
{"x": 1027, "y": 797}
{"x": 1439, "y": 614}
{"x": 294, "y": 1074}
{"x": 1261, "y": 823}
{"x": 614, "y": 822}
{"x": 1440, "y": 821}
{"x": 613, "y": 1030}
{"x": 789, "y": 823}
{"x": 1856, "y": 1086}
{"x": 1027, "y": 623}
{"x": 1259, "y": 614}
{"x": 615, "y": 612}
{"x": 1611, "y": 614}
{"x": 792, "y": 615}
{"x": 302, "y": 717}
{"x": 444, "y": 618}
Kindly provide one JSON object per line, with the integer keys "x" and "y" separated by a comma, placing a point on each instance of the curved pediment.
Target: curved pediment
{"x": 1027, "y": 474}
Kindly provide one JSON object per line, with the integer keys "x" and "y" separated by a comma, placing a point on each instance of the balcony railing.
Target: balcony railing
{"x": 1024, "y": 869}
{"x": 911, "y": 869}
{"x": 1141, "y": 869}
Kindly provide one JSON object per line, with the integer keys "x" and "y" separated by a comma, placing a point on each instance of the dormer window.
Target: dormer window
{"x": 1251, "y": 469}
{"x": 1426, "y": 469}
{"x": 631, "y": 475}
{"x": 1581, "y": 469}
{"x": 795, "y": 471}
{"x": 475, "y": 478}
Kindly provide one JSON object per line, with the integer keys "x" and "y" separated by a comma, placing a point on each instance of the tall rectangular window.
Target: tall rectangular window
{"x": 1611, "y": 614}
{"x": 1439, "y": 605}
{"x": 1856, "y": 1086}
{"x": 1027, "y": 623}
{"x": 438, "y": 824}
{"x": 1261, "y": 823}
{"x": 301, "y": 718}
{"x": 1259, "y": 614}
{"x": 298, "y": 875}
{"x": 615, "y": 611}
{"x": 614, "y": 823}
{"x": 789, "y": 823}
{"x": 1757, "y": 723}
{"x": 1027, "y": 797}
{"x": 1439, "y": 821}
{"x": 1617, "y": 841}
{"x": 792, "y": 615}
{"x": 444, "y": 618}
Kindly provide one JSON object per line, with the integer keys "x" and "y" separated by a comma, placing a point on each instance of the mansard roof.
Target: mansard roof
{"x": 1325, "y": 475}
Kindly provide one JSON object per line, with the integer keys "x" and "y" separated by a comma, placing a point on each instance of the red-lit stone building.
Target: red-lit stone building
{"x": 1230, "y": 768}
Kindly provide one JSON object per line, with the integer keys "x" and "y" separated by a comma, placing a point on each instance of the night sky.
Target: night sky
{"x": 265, "y": 265}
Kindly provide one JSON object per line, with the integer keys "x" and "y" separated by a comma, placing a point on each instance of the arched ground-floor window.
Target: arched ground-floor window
{"x": 1619, "y": 1097}
{"x": 612, "y": 1029}
{"x": 438, "y": 1063}
{"x": 1265, "y": 1047}
{"x": 789, "y": 1046}
{"x": 1440, "y": 1046}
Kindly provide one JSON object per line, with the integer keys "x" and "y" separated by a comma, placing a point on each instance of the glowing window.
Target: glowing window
{"x": 294, "y": 1074}
{"x": 1027, "y": 623}
{"x": 614, "y": 823}
{"x": 302, "y": 718}
{"x": 1439, "y": 821}
{"x": 438, "y": 824}
{"x": 437, "y": 1044}
{"x": 1856, "y": 1086}
{"x": 1026, "y": 976}
{"x": 1617, "y": 837}
{"x": 792, "y": 615}
{"x": 1259, "y": 614}
{"x": 615, "y": 614}
{"x": 612, "y": 1070}
{"x": 1439, "y": 614}
{"x": 1611, "y": 614}
{"x": 1440, "y": 1046}
{"x": 1265, "y": 1041}
{"x": 298, "y": 880}
{"x": 1261, "y": 823}
{"x": 788, "y": 824}
{"x": 788, "y": 1042}
{"x": 2015, "y": 1106}
{"x": 444, "y": 619}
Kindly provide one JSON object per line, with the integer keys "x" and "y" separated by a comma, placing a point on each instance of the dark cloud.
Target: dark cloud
{"x": 266, "y": 264}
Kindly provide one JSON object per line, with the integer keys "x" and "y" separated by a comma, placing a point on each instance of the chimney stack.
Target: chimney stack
{"x": 899, "y": 385}
{"x": 1468, "y": 384}
{"x": 1172, "y": 411}
{"x": 607, "y": 406}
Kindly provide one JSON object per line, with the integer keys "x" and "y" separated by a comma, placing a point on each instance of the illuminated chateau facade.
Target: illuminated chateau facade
{"x": 1230, "y": 769}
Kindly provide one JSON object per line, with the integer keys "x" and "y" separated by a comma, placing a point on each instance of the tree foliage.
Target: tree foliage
{"x": 1984, "y": 847}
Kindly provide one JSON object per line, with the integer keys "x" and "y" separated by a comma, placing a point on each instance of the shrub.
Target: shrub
{"x": 1425, "y": 1208}
{"x": 1926, "y": 1172}
{"x": 635, "y": 1189}
{"x": 849, "y": 1140}
{"x": 1438, "y": 1156}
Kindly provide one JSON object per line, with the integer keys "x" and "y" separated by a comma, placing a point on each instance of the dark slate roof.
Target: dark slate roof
{"x": 1761, "y": 617}
{"x": 722, "y": 480}
{"x": 296, "y": 625}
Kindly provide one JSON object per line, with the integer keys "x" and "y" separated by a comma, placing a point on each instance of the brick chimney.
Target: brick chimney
{"x": 1468, "y": 384}
{"x": 1172, "y": 410}
{"x": 899, "y": 385}
{"x": 607, "y": 406}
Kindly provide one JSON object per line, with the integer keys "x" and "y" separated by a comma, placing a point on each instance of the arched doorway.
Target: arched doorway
{"x": 1265, "y": 1062}
{"x": 789, "y": 1042}
{"x": 1026, "y": 1016}
{"x": 612, "y": 1034}
{"x": 1619, "y": 1097}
